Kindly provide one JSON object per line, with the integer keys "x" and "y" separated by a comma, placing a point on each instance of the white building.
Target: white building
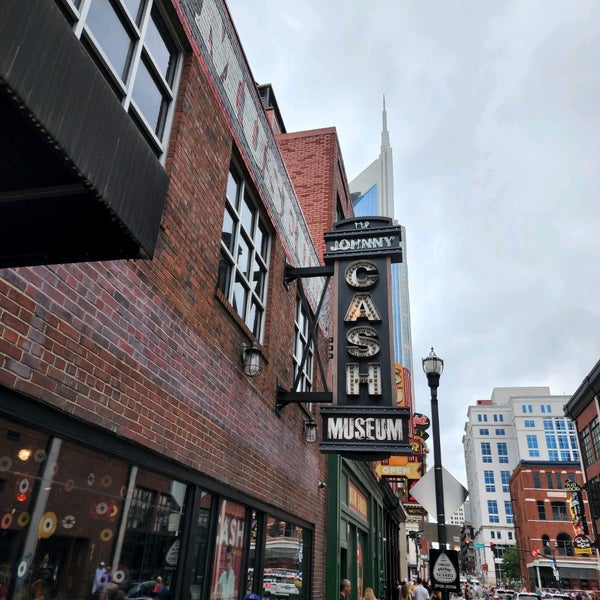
{"x": 457, "y": 517}
{"x": 521, "y": 423}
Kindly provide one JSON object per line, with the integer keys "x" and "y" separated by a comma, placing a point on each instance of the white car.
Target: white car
{"x": 284, "y": 587}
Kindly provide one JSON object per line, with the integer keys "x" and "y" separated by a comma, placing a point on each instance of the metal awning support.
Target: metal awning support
{"x": 283, "y": 396}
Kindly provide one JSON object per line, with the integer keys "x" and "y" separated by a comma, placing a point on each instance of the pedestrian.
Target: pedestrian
{"x": 345, "y": 587}
{"x": 99, "y": 577}
{"x": 158, "y": 585}
{"x": 405, "y": 591}
{"x": 369, "y": 594}
{"x": 419, "y": 592}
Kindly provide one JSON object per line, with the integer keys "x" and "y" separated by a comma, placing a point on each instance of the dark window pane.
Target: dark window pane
{"x": 161, "y": 47}
{"x": 149, "y": 99}
{"x": 111, "y": 35}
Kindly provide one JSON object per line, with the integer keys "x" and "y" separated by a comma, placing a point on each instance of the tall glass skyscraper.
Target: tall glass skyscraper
{"x": 373, "y": 195}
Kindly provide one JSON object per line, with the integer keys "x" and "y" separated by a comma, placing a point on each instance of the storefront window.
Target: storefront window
{"x": 201, "y": 549}
{"x": 227, "y": 564}
{"x": 284, "y": 560}
{"x": 74, "y": 519}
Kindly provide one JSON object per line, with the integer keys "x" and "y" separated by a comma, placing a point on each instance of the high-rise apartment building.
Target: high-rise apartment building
{"x": 519, "y": 423}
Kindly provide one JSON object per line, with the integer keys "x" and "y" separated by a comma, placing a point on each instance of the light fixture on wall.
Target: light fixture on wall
{"x": 310, "y": 430}
{"x": 251, "y": 359}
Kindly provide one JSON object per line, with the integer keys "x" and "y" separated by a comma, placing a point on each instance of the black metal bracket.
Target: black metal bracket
{"x": 292, "y": 273}
{"x": 283, "y": 397}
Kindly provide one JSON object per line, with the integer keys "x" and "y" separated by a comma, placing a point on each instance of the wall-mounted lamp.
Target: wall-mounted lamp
{"x": 251, "y": 359}
{"x": 310, "y": 430}
{"x": 322, "y": 485}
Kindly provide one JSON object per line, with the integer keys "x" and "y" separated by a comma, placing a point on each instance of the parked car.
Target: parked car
{"x": 281, "y": 586}
{"x": 526, "y": 596}
{"x": 503, "y": 594}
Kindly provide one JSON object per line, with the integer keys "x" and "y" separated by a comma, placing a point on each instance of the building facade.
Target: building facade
{"x": 148, "y": 321}
{"x": 546, "y": 528}
{"x": 514, "y": 424}
{"x": 583, "y": 408}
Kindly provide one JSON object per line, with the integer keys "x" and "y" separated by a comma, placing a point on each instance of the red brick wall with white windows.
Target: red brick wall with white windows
{"x": 150, "y": 350}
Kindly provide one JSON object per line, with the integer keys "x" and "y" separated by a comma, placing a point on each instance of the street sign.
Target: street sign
{"x": 478, "y": 545}
{"x": 445, "y": 574}
{"x": 454, "y": 492}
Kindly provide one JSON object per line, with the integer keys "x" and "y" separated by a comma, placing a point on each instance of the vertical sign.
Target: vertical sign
{"x": 365, "y": 423}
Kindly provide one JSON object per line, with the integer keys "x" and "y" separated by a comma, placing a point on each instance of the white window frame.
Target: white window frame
{"x": 302, "y": 347}
{"x": 78, "y": 11}
{"x": 235, "y": 266}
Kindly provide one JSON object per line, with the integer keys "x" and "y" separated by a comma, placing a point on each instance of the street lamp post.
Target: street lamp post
{"x": 433, "y": 367}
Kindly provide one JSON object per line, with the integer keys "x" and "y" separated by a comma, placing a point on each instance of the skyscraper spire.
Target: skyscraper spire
{"x": 385, "y": 136}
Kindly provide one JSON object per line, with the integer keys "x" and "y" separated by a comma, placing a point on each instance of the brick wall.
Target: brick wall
{"x": 149, "y": 349}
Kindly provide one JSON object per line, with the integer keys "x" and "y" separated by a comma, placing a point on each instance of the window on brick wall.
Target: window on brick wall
{"x": 541, "y": 510}
{"x": 559, "y": 511}
{"x": 245, "y": 243}
{"x": 135, "y": 48}
{"x": 303, "y": 349}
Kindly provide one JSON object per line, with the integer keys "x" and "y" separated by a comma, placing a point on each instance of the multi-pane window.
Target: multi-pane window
{"x": 303, "y": 349}
{"x": 486, "y": 452}
{"x": 564, "y": 545}
{"x": 559, "y": 511}
{"x": 541, "y": 510}
{"x": 134, "y": 47}
{"x": 244, "y": 255}
{"x": 529, "y": 423}
{"x": 505, "y": 476}
{"x": 488, "y": 477}
{"x": 561, "y": 439}
{"x": 500, "y": 432}
{"x": 484, "y": 431}
{"x": 493, "y": 511}
{"x": 537, "y": 482}
{"x": 588, "y": 455}
{"x": 502, "y": 452}
{"x": 550, "y": 481}
{"x": 509, "y": 512}
{"x": 532, "y": 445}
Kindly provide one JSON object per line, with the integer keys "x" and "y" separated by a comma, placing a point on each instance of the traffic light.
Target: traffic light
{"x": 535, "y": 553}
{"x": 467, "y": 542}
{"x": 493, "y": 547}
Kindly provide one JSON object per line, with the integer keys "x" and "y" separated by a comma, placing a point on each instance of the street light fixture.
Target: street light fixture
{"x": 433, "y": 366}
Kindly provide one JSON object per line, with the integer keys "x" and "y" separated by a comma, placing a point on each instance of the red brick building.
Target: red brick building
{"x": 583, "y": 409}
{"x": 148, "y": 216}
{"x": 546, "y": 529}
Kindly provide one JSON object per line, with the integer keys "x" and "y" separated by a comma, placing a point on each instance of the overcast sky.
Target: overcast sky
{"x": 493, "y": 109}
